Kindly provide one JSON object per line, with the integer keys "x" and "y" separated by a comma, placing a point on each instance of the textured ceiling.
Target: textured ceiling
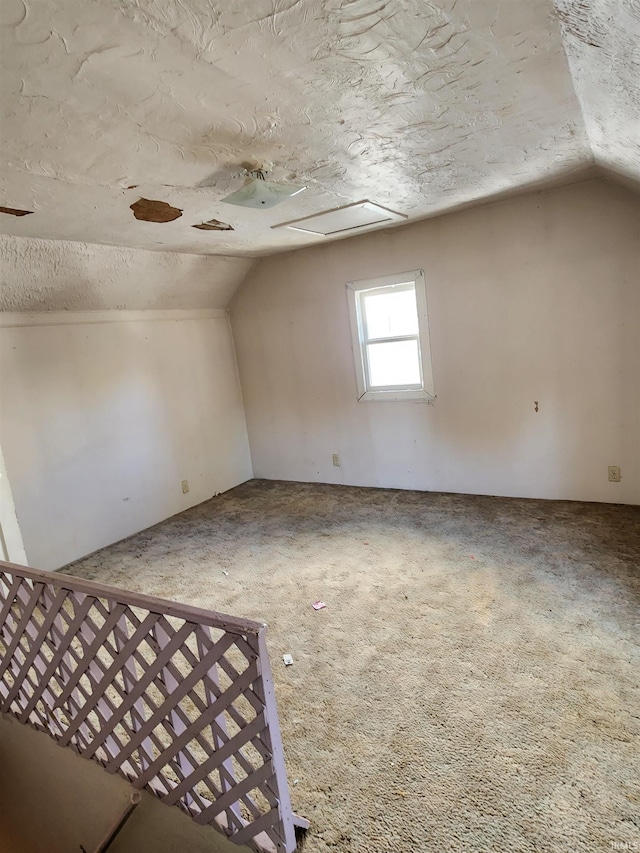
{"x": 602, "y": 42}
{"x": 418, "y": 106}
{"x": 38, "y": 275}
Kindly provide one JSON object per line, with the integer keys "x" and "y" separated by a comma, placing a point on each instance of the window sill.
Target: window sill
{"x": 411, "y": 396}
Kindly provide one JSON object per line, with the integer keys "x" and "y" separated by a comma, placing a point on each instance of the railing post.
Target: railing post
{"x": 273, "y": 740}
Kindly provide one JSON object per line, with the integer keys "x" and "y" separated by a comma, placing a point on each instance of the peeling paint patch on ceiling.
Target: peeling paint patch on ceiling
{"x": 14, "y": 211}
{"x": 151, "y": 210}
{"x": 213, "y": 225}
{"x": 420, "y": 106}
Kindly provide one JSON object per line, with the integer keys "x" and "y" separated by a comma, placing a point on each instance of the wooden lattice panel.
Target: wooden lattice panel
{"x": 176, "y": 699}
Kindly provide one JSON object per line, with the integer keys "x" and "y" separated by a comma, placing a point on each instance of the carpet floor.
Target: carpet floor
{"x": 473, "y": 683}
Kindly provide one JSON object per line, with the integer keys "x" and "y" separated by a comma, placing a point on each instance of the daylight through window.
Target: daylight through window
{"x": 391, "y": 338}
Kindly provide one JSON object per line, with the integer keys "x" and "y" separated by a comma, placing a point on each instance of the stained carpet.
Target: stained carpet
{"x": 473, "y": 683}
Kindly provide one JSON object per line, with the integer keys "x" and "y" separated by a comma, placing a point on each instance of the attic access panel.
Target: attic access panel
{"x": 363, "y": 214}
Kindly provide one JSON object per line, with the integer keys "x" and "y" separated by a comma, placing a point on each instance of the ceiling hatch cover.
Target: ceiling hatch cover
{"x": 362, "y": 214}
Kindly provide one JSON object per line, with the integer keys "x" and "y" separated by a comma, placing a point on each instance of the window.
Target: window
{"x": 390, "y": 332}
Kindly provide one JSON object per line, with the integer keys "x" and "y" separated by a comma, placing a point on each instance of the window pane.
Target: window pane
{"x": 389, "y": 315}
{"x": 395, "y": 363}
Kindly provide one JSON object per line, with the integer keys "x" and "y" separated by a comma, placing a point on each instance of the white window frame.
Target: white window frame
{"x": 423, "y": 392}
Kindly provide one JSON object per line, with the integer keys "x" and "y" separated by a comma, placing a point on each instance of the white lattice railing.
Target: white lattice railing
{"x": 176, "y": 699}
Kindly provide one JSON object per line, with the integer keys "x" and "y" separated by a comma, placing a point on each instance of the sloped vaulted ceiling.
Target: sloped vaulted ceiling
{"x": 602, "y": 42}
{"x": 418, "y": 106}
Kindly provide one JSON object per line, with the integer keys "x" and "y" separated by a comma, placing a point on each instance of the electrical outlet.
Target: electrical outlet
{"x": 185, "y": 487}
{"x": 614, "y": 474}
{"x": 336, "y": 460}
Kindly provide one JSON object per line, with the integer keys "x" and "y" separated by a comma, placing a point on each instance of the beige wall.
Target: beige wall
{"x": 532, "y": 298}
{"x": 11, "y": 544}
{"x": 101, "y": 421}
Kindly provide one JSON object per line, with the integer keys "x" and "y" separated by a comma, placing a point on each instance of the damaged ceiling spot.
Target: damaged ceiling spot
{"x": 14, "y": 211}
{"x": 420, "y": 106}
{"x": 214, "y": 225}
{"x": 151, "y": 210}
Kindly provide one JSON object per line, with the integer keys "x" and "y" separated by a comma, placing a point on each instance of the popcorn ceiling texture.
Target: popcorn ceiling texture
{"x": 602, "y": 41}
{"x": 419, "y": 106}
{"x": 42, "y": 275}
{"x": 472, "y": 684}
